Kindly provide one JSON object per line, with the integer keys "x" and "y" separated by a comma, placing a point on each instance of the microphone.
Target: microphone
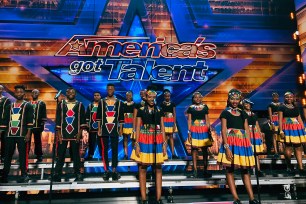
{"x": 58, "y": 94}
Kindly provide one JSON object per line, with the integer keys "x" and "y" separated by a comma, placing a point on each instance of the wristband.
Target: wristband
{"x": 226, "y": 146}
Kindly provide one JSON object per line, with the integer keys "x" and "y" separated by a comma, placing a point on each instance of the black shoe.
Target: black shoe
{"x": 56, "y": 178}
{"x": 159, "y": 201}
{"x": 115, "y": 176}
{"x": 302, "y": 172}
{"x": 276, "y": 156}
{"x": 79, "y": 177}
{"x": 253, "y": 201}
{"x": 2, "y": 159}
{"x": 39, "y": 159}
{"x": 106, "y": 176}
{"x": 24, "y": 179}
{"x": 144, "y": 202}
{"x": 195, "y": 174}
{"x": 237, "y": 202}
{"x": 207, "y": 175}
{"x": 290, "y": 172}
{"x": 261, "y": 174}
{"x": 125, "y": 157}
{"x": 4, "y": 179}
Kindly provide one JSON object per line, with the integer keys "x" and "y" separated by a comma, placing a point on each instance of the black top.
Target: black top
{"x": 110, "y": 117}
{"x": 18, "y": 118}
{"x": 233, "y": 121}
{"x": 91, "y": 116}
{"x": 139, "y": 105}
{"x": 128, "y": 108}
{"x": 40, "y": 114}
{"x": 252, "y": 118}
{"x": 148, "y": 117}
{"x": 274, "y": 107}
{"x": 4, "y": 101}
{"x": 198, "y": 112}
{"x": 70, "y": 118}
{"x": 288, "y": 112}
{"x": 167, "y": 108}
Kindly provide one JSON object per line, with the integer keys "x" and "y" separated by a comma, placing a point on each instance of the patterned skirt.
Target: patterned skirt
{"x": 241, "y": 148}
{"x": 147, "y": 148}
{"x": 169, "y": 123}
{"x": 257, "y": 140}
{"x": 199, "y": 135}
{"x": 294, "y": 131}
{"x": 128, "y": 123}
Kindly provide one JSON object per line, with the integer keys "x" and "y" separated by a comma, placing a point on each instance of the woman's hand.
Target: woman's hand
{"x": 137, "y": 150}
{"x": 229, "y": 154}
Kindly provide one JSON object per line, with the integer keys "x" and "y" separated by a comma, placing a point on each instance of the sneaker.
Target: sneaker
{"x": 207, "y": 175}
{"x": 39, "y": 159}
{"x": 237, "y": 202}
{"x": 115, "y": 176}
{"x": 56, "y": 178}
{"x": 195, "y": 174}
{"x": 254, "y": 201}
{"x": 79, "y": 177}
{"x": 261, "y": 174}
{"x": 24, "y": 179}
{"x": 106, "y": 176}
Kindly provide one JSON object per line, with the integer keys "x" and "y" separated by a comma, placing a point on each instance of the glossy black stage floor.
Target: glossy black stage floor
{"x": 286, "y": 187}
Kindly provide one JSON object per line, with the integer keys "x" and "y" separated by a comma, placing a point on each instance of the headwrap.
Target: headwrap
{"x": 275, "y": 94}
{"x": 151, "y": 92}
{"x": 195, "y": 93}
{"x": 247, "y": 100}
{"x": 288, "y": 93}
{"x": 234, "y": 92}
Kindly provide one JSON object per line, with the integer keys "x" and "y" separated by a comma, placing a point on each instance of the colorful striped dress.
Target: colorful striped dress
{"x": 167, "y": 108}
{"x": 239, "y": 143}
{"x": 256, "y": 139}
{"x": 198, "y": 128}
{"x": 274, "y": 107}
{"x": 128, "y": 109}
{"x": 147, "y": 136}
{"x": 294, "y": 131}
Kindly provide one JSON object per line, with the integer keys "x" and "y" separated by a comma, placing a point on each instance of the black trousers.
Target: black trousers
{"x": 92, "y": 141}
{"x": 75, "y": 150}
{"x": 9, "y": 152}
{"x": 103, "y": 144}
{"x": 2, "y": 137}
{"x": 37, "y": 142}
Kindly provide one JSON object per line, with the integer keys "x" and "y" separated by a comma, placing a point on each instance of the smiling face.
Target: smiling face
{"x": 289, "y": 98}
{"x": 129, "y": 96}
{"x": 234, "y": 100}
{"x": 275, "y": 98}
{"x": 247, "y": 106}
{"x": 110, "y": 91}
{"x": 151, "y": 99}
{"x": 70, "y": 94}
{"x": 97, "y": 97}
{"x": 35, "y": 94}
{"x": 19, "y": 94}
{"x": 197, "y": 99}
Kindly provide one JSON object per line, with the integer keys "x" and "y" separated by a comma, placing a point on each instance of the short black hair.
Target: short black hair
{"x": 97, "y": 92}
{"x": 20, "y": 86}
{"x": 110, "y": 84}
{"x": 166, "y": 91}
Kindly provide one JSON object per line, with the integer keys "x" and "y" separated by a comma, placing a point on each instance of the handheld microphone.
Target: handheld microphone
{"x": 58, "y": 94}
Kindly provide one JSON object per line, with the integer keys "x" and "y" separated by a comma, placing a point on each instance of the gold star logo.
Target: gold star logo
{"x": 75, "y": 46}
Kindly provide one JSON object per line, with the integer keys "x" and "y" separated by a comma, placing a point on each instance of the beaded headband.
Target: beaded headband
{"x": 197, "y": 92}
{"x": 275, "y": 94}
{"x": 246, "y": 100}
{"x": 288, "y": 93}
{"x": 234, "y": 92}
{"x": 151, "y": 92}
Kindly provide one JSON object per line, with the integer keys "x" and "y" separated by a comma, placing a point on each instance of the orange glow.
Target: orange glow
{"x": 291, "y": 15}
{"x": 298, "y": 57}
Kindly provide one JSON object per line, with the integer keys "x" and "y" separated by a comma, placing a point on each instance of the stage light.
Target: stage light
{"x": 303, "y": 76}
{"x": 304, "y": 101}
{"x": 298, "y": 58}
{"x": 300, "y": 80}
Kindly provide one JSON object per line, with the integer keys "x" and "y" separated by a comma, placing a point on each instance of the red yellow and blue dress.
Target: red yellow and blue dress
{"x": 256, "y": 139}
{"x": 238, "y": 141}
{"x": 128, "y": 110}
{"x": 169, "y": 123}
{"x": 198, "y": 129}
{"x": 294, "y": 131}
{"x": 274, "y": 108}
{"x": 149, "y": 132}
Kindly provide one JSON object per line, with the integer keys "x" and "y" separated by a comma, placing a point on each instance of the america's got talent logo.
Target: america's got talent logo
{"x": 135, "y": 58}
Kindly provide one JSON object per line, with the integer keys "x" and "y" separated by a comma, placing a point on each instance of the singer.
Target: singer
{"x": 70, "y": 121}
{"x": 236, "y": 151}
{"x": 151, "y": 144}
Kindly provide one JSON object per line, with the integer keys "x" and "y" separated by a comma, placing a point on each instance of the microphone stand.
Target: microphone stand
{"x": 256, "y": 165}
{"x": 53, "y": 153}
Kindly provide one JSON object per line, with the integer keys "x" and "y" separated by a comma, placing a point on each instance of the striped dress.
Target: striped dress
{"x": 198, "y": 128}
{"x": 128, "y": 109}
{"x": 274, "y": 107}
{"x": 255, "y": 138}
{"x": 167, "y": 108}
{"x": 238, "y": 142}
{"x": 294, "y": 131}
{"x": 149, "y": 132}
